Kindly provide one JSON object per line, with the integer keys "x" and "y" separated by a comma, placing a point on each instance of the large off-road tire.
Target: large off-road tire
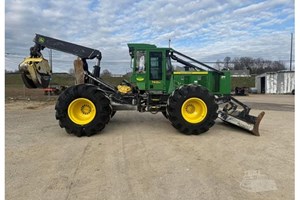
{"x": 192, "y": 109}
{"x": 165, "y": 114}
{"x": 83, "y": 110}
{"x": 113, "y": 114}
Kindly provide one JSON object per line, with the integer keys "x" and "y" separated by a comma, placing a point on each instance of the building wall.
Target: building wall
{"x": 275, "y": 83}
{"x": 258, "y": 83}
{"x": 271, "y": 83}
{"x": 285, "y": 82}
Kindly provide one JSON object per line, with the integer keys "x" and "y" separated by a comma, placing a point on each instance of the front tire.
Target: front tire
{"x": 192, "y": 109}
{"x": 165, "y": 114}
{"x": 83, "y": 110}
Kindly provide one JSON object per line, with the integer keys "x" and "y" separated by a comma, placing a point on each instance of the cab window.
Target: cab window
{"x": 155, "y": 66}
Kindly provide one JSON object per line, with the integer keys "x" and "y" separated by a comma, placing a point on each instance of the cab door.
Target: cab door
{"x": 156, "y": 72}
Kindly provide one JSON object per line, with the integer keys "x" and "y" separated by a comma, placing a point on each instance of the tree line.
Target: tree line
{"x": 7, "y": 71}
{"x": 255, "y": 65}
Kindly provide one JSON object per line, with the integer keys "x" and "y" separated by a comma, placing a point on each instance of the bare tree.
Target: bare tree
{"x": 106, "y": 73}
{"x": 226, "y": 62}
{"x": 257, "y": 65}
{"x": 218, "y": 65}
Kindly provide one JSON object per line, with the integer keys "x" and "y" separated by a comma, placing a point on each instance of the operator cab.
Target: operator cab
{"x": 151, "y": 67}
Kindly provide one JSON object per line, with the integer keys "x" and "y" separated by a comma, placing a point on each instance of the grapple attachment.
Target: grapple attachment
{"x": 35, "y": 72}
{"x": 240, "y": 118}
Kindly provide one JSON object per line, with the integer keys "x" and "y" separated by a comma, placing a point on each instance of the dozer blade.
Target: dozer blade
{"x": 35, "y": 72}
{"x": 250, "y": 125}
{"x": 240, "y": 118}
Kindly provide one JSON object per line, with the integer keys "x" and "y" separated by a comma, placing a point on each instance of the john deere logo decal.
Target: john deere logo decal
{"x": 41, "y": 40}
{"x": 139, "y": 78}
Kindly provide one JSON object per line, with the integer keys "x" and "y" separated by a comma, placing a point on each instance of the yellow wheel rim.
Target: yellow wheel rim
{"x": 194, "y": 110}
{"x": 81, "y": 111}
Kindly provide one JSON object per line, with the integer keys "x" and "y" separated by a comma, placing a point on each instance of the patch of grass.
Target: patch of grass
{"x": 15, "y": 89}
{"x": 15, "y": 80}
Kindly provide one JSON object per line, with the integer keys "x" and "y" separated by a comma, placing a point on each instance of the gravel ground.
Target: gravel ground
{"x": 141, "y": 156}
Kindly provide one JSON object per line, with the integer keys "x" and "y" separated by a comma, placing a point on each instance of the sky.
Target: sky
{"x": 206, "y": 30}
{"x": 203, "y": 29}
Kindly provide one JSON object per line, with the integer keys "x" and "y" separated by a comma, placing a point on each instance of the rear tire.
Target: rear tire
{"x": 113, "y": 114}
{"x": 192, "y": 109}
{"x": 83, "y": 110}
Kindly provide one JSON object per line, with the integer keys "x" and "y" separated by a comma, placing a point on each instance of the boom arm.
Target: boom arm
{"x": 67, "y": 47}
{"x": 36, "y": 71}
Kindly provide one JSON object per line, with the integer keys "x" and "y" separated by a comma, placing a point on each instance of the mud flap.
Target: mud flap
{"x": 239, "y": 118}
{"x": 35, "y": 72}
